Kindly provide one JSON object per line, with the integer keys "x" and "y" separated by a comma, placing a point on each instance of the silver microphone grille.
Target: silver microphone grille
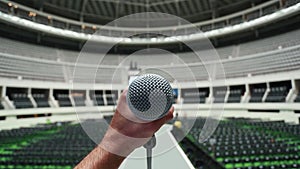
{"x": 150, "y": 97}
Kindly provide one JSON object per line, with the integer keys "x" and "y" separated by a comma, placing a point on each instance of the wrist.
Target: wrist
{"x": 119, "y": 144}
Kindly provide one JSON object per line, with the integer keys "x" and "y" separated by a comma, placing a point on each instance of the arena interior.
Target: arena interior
{"x": 50, "y": 85}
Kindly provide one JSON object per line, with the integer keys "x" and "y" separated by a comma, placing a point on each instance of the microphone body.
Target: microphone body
{"x": 150, "y": 97}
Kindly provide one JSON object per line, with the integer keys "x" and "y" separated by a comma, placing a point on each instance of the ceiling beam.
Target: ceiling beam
{"x": 198, "y": 6}
{"x": 192, "y": 5}
{"x": 60, "y": 3}
{"x": 102, "y": 9}
{"x": 163, "y": 8}
{"x": 120, "y": 7}
{"x": 110, "y": 8}
{"x": 69, "y": 5}
{"x": 136, "y": 9}
{"x": 184, "y": 8}
{"x": 172, "y": 8}
{"x": 155, "y": 8}
{"x": 82, "y": 9}
{"x": 39, "y": 4}
{"x": 129, "y": 9}
{"x": 213, "y": 6}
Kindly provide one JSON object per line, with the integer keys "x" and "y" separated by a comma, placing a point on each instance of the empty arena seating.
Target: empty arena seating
{"x": 59, "y": 65}
{"x": 194, "y": 95}
{"x": 219, "y": 94}
{"x": 270, "y": 9}
{"x": 278, "y": 92}
{"x": 1, "y": 106}
{"x": 79, "y": 97}
{"x": 3, "y": 8}
{"x": 20, "y": 100}
{"x": 30, "y": 69}
{"x": 257, "y": 92}
{"x": 63, "y": 100}
{"x": 42, "y": 19}
{"x": 255, "y": 144}
{"x": 49, "y": 146}
{"x": 236, "y": 93}
{"x": 297, "y": 99}
{"x": 21, "y": 49}
{"x": 59, "y": 24}
{"x": 270, "y": 44}
{"x": 291, "y": 2}
{"x": 111, "y": 99}
{"x": 75, "y": 28}
{"x": 62, "y": 97}
{"x": 79, "y": 100}
{"x": 41, "y": 99}
{"x": 97, "y": 97}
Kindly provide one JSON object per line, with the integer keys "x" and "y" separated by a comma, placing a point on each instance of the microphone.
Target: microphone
{"x": 150, "y": 97}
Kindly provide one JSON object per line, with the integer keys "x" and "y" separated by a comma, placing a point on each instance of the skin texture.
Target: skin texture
{"x": 125, "y": 134}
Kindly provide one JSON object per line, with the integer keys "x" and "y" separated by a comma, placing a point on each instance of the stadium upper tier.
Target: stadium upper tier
{"x": 275, "y": 54}
{"x": 159, "y": 24}
{"x": 104, "y": 11}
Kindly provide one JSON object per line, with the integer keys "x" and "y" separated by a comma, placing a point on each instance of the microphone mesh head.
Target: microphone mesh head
{"x": 150, "y": 97}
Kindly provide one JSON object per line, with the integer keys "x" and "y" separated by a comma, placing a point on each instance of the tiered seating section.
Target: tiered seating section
{"x": 194, "y": 95}
{"x": 236, "y": 143}
{"x": 255, "y": 144}
{"x": 50, "y": 146}
{"x": 220, "y": 94}
{"x": 41, "y": 99}
{"x": 236, "y": 93}
{"x": 271, "y": 92}
{"x": 277, "y": 94}
{"x": 79, "y": 100}
{"x": 97, "y": 97}
{"x": 252, "y": 58}
{"x": 257, "y": 92}
{"x": 21, "y": 100}
{"x": 63, "y": 100}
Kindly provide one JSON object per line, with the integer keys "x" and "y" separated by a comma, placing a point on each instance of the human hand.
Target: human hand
{"x": 126, "y": 132}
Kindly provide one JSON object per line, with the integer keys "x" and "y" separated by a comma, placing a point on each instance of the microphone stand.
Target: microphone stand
{"x": 149, "y": 146}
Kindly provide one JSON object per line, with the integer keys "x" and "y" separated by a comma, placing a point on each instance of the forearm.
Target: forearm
{"x": 100, "y": 159}
{"x": 110, "y": 153}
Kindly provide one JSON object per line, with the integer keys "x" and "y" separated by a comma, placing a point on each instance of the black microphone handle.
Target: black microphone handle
{"x": 149, "y": 146}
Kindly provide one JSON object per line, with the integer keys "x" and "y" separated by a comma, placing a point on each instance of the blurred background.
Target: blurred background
{"x": 257, "y": 43}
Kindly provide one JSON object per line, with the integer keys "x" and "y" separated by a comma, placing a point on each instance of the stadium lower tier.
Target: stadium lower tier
{"x": 49, "y": 146}
{"x": 236, "y": 143}
{"x": 246, "y": 144}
